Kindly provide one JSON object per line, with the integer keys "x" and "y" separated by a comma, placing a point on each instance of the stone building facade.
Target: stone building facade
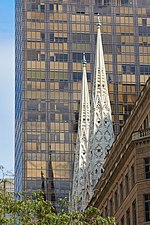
{"x": 123, "y": 191}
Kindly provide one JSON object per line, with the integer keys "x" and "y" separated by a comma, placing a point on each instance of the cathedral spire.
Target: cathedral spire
{"x": 82, "y": 141}
{"x": 98, "y": 21}
{"x": 101, "y": 129}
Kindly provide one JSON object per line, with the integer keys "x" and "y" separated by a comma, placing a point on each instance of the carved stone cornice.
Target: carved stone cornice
{"x": 130, "y": 139}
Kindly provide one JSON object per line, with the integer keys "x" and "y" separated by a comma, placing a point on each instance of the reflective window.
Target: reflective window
{"x": 122, "y": 221}
{"x": 51, "y": 7}
{"x": 128, "y": 222}
{"x": 134, "y": 213}
{"x": 61, "y": 57}
{"x": 147, "y": 207}
{"x": 147, "y": 168}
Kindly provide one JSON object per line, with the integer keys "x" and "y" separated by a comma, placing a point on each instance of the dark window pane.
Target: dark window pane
{"x": 144, "y": 22}
{"x": 51, "y": 7}
{"x": 34, "y": 6}
{"x": 51, "y": 37}
{"x": 32, "y": 117}
{"x": 123, "y": 2}
{"x": 78, "y": 76}
{"x": 32, "y": 105}
{"x": 52, "y": 58}
{"x": 32, "y": 55}
{"x": 98, "y": 3}
{"x": 111, "y": 207}
{"x": 42, "y": 36}
{"x": 57, "y": 7}
{"x": 42, "y": 57}
{"x": 132, "y": 176}
{"x": 52, "y": 117}
{"x": 144, "y": 30}
{"x": 116, "y": 200}
{"x": 134, "y": 216}
{"x": 63, "y": 85}
{"x": 126, "y": 184}
{"x": 147, "y": 207}
{"x": 42, "y": 106}
{"x": 128, "y": 217}
{"x": 122, "y": 221}
{"x": 80, "y": 37}
{"x": 42, "y": 8}
{"x": 43, "y": 117}
{"x": 60, "y": 39}
{"x": 147, "y": 167}
{"x": 128, "y": 69}
{"x": 61, "y": 57}
{"x": 145, "y": 69}
{"x": 106, "y": 2}
{"x": 121, "y": 193}
{"x": 65, "y": 117}
{"x": 78, "y": 57}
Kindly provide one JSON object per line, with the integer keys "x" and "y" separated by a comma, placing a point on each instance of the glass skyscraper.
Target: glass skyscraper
{"x": 50, "y": 39}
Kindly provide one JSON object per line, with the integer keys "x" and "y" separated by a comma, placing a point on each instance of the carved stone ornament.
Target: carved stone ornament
{"x": 101, "y": 129}
{"x": 82, "y": 141}
{"x": 95, "y": 131}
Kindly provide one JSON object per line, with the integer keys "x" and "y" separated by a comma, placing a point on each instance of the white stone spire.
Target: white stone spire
{"x": 82, "y": 142}
{"x": 101, "y": 129}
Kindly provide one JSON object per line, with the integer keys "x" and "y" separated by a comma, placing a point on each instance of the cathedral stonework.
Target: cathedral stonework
{"x": 82, "y": 141}
{"x": 95, "y": 131}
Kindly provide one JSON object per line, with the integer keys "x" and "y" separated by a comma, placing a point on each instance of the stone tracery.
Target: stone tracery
{"x": 95, "y": 133}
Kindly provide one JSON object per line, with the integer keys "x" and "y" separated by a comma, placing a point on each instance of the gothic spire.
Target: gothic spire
{"x": 82, "y": 140}
{"x": 101, "y": 128}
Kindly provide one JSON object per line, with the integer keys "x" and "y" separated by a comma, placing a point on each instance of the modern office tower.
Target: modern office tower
{"x": 50, "y": 39}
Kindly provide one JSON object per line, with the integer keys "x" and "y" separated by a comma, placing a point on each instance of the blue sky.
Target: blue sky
{"x": 7, "y": 77}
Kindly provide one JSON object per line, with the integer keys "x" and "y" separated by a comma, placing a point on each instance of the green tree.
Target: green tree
{"x": 35, "y": 210}
{"x": 5, "y": 177}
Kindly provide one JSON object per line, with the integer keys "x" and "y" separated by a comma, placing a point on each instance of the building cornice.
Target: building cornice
{"x": 124, "y": 144}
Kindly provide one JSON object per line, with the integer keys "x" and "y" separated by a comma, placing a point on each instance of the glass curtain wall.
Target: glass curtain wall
{"x": 50, "y": 39}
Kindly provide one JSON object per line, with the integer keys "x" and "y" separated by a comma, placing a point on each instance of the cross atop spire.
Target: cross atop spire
{"x": 84, "y": 60}
{"x": 98, "y": 21}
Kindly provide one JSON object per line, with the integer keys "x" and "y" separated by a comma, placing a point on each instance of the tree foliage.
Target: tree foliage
{"x": 35, "y": 210}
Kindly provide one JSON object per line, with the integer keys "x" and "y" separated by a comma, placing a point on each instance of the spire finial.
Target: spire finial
{"x": 84, "y": 59}
{"x": 98, "y": 21}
